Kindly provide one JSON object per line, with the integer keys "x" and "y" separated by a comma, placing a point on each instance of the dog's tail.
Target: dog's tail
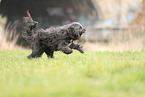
{"x": 30, "y": 25}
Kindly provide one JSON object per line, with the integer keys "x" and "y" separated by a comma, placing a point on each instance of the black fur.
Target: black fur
{"x": 53, "y": 39}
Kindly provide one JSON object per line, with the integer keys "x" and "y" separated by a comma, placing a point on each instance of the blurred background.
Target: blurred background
{"x": 114, "y": 25}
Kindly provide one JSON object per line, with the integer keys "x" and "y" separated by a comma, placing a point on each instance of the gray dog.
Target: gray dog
{"x": 52, "y": 39}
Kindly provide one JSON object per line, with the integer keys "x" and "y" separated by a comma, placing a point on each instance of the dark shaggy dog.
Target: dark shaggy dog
{"x": 53, "y": 39}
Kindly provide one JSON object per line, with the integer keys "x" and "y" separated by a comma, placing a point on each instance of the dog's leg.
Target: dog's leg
{"x": 37, "y": 51}
{"x": 76, "y": 46}
{"x": 66, "y": 49}
{"x": 49, "y": 53}
{"x": 35, "y": 54}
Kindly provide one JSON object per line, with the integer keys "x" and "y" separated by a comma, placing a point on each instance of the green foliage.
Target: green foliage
{"x": 93, "y": 74}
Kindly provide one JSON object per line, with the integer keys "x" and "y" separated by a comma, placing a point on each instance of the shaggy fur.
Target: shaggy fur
{"x": 53, "y": 39}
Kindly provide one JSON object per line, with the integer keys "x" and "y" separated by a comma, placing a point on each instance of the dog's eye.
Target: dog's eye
{"x": 76, "y": 35}
{"x": 72, "y": 28}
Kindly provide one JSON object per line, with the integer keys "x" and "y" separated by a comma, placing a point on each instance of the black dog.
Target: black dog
{"x": 53, "y": 39}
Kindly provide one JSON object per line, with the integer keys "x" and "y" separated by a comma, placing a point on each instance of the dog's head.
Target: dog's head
{"x": 29, "y": 21}
{"x": 75, "y": 30}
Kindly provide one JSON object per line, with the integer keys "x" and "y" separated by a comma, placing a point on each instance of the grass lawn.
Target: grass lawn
{"x": 93, "y": 74}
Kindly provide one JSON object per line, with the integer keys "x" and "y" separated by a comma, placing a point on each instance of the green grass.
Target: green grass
{"x": 93, "y": 74}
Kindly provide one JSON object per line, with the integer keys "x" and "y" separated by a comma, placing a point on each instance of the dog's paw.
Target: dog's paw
{"x": 80, "y": 49}
{"x": 29, "y": 57}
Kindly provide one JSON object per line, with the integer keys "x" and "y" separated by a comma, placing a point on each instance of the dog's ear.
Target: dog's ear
{"x": 25, "y": 19}
{"x": 29, "y": 15}
{"x": 28, "y": 18}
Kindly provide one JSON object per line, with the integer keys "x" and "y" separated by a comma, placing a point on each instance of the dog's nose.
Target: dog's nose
{"x": 35, "y": 22}
{"x": 84, "y": 30}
